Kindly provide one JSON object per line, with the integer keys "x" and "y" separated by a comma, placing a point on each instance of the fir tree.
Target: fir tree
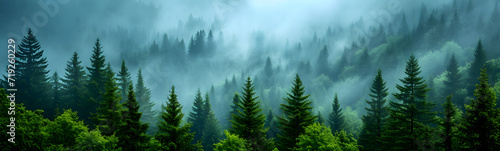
{"x": 124, "y": 81}
{"x": 97, "y": 79}
{"x": 320, "y": 120}
{"x": 143, "y": 97}
{"x": 132, "y": 133}
{"x": 235, "y": 108}
{"x": 211, "y": 131}
{"x": 453, "y": 79}
{"x": 480, "y": 127}
{"x": 73, "y": 90}
{"x": 31, "y": 77}
{"x": 322, "y": 63}
{"x": 197, "y": 117}
{"x": 249, "y": 123}
{"x": 408, "y": 122}
{"x": 449, "y": 124}
{"x": 173, "y": 136}
{"x": 108, "y": 116}
{"x": 376, "y": 114}
{"x": 271, "y": 124}
{"x": 56, "y": 92}
{"x": 336, "y": 118}
{"x": 476, "y": 66}
{"x": 297, "y": 116}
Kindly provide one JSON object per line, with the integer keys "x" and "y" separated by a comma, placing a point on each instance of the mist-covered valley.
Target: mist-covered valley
{"x": 212, "y": 47}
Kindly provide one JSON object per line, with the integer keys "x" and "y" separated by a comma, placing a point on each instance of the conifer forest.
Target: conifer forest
{"x": 256, "y": 75}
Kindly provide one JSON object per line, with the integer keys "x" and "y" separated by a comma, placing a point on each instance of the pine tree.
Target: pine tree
{"x": 322, "y": 65}
{"x": 249, "y": 123}
{"x": 320, "y": 120}
{"x": 173, "y": 136}
{"x": 376, "y": 114}
{"x": 403, "y": 29}
{"x": 108, "y": 116}
{"x": 97, "y": 79}
{"x": 297, "y": 116}
{"x": 408, "y": 122}
{"x": 268, "y": 73}
{"x": 336, "y": 118}
{"x": 211, "y": 131}
{"x": 476, "y": 66}
{"x": 56, "y": 91}
{"x": 197, "y": 117}
{"x": 480, "y": 127}
{"x": 449, "y": 124}
{"x": 271, "y": 124}
{"x": 453, "y": 79}
{"x": 143, "y": 97}
{"x": 235, "y": 107}
{"x": 211, "y": 48}
{"x": 73, "y": 87}
{"x": 132, "y": 133}
{"x": 32, "y": 80}
{"x": 124, "y": 81}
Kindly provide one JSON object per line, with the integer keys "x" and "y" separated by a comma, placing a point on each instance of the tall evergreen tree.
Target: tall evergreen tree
{"x": 143, "y": 97}
{"x": 408, "y": 122}
{"x": 211, "y": 48}
{"x": 132, "y": 133}
{"x": 453, "y": 81}
{"x": 376, "y": 114}
{"x": 173, "y": 136}
{"x": 320, "y": 120}
{"x": 235, "y": 107}
{"x": 32, "y": 80}
{"x": 297, "y": 116}
{"x": 124, "y": 81}
{"x": 336, "y": 118}
{"x": 108, "y": 116}
{"x": 403, "y": 28}
{"x": 480, "y": 128}
{"x": 476, "y": 66}
{"x": 322, "y": 65}
{"x": 97, "y": 79}
{"x": 73, "y": 88}
{"x": 449, "y": 126}
{"x": 211, "y": 131}
{"x": 197, "y": 117}
{"x": 249, "y": 122}
{"x": 56, "y": 93}
{"x": 271, "y": 124}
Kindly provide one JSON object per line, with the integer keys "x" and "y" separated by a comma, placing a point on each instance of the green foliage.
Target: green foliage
{"x": 297, "y": 115}
{"x": 336, "y": 118}
{"x": 232, "y": 143}
{"x": 319, "y": 137}
{"x": 480, "y": 128}
{"x": 56, "y": 91}
{"x": 475, "y": 68}
{"x": 323, "y": 67}
{"x": 65, "y": 129}
{"x": 173, "y": 136}
{"x": 249, "y": 122}
{"x": 376, "y": 114}
{"x": 93, "y": 140}
{"x": 235, "y": 107}
{"x": 132, "y": 133}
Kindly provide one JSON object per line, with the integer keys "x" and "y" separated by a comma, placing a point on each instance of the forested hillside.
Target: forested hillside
{"x": 237, "y": 75}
